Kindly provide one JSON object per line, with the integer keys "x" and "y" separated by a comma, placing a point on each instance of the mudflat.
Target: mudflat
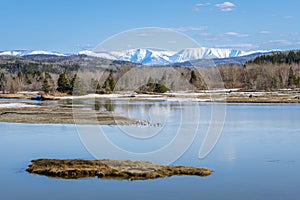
{"x": 66, "y": 114}
{"x": 225, "y": 95}
{"x": 60, "y": 115}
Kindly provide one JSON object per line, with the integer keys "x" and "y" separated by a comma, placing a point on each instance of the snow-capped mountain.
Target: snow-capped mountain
{"x": 204, "y": 53}
{"x": 152, "y": 56}
{"x": 29, "y": 53}
{"x": 160, "y": 57}
{"x": 142, "y": 56}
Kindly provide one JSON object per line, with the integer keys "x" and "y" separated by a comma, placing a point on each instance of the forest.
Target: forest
{"x": 80, "y": 75}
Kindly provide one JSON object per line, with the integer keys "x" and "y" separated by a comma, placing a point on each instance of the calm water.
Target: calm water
{"x": 256, "y": 157}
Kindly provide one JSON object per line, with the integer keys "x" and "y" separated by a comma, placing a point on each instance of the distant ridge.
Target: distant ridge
{"x": 155, "y": 57}
{"x": 29, "y": 52}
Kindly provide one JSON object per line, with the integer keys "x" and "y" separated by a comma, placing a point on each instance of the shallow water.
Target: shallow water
{"x": 256, "y": 157}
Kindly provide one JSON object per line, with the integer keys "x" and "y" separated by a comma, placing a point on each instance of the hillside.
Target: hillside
{"x": 80, "y": 74}
{"x": 284, "y": 57}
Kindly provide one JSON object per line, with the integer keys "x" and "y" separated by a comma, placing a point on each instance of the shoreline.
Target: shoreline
{"x": 55, "y": 111}
{"x": 225, "y": 95}
{"x": 59, "y": 115}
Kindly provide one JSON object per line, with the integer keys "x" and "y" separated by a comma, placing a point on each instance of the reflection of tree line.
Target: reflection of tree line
{"x": 108, "y": 106}
{"x": 137, "y": 109}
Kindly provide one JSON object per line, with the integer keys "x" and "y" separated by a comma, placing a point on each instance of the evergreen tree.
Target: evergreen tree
{"x": 74, "y": 79}
{"x": 77, "y": 87}
{"x": 13, "y": 86}
{"x": 48, "y": 83}
{"x": 46, "y": 87}
{"x": 292, "y": 81}
{"x": 112, "y": 82}
{"x": 151, "y": 82}
{"x": 93, "y": 84}
{"x": 27, "y": 79}
{"x": 106, "y": 86}
{"x": 20, "y": 75}
{"x": 278, "y": 58}
{"x": 63, "y": 84}
{"x": 98, "y": 89}
{"x": 193, "y": 78}
{"x": 2, "y": 82}
{"x": 109, "y": 84}
{"x": 160, "y": 88}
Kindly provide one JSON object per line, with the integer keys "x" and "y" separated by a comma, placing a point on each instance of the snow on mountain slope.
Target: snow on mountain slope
{"x": 204, "y": 53}
{"x": 13, "y": 53}
{"x": 143, "y": 56}
{"x": 43, "y": 53}
{"x": 28, "y": 53}
{"x": 160, "y": 57}
{"x": 256, "y": 52}
{"x": 151, "y": 56}
{"x": 104, "y": 55}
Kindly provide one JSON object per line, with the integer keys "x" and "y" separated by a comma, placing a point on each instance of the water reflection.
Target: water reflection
{"x": 256, "y": 158}
{"x": 106, "y": 105}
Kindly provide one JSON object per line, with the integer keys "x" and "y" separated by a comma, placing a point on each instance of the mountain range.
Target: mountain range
{"x": 157, "y": 57}
{"x": 161, "y": 57}
{"x": 29, "y": 53}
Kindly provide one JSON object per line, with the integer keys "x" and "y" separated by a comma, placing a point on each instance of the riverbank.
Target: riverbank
{"x": 66, "y": 109}
{"x": 225, "y": 95}
{"x": 63, "y": 115}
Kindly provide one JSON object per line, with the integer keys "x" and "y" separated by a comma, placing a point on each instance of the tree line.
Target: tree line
{"x": 266, "y": 72}
{"x": 66, "y": 82}
{"x": 265, "y": 76}
{"x": 290, "y": 57}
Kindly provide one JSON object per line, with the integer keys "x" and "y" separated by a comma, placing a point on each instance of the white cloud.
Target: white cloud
{"x": 288, "y": 17}
{"x": 234, "y": 34}
{"x": 84, "y": 46}
{"x": 225, "y": 37}
{"x": 226, "y": 6}
{"x": 289, "y": 34}
{"x": 144, "y": 34}
{"x": 190, "y": 28}
{"x": 198, "y": 6}
{"x": 284, "y": 35}
{"x": 281, "y": 42}
{"x": 205, "y": 34}
{"x": 150, "y": 32}
{"x": 239, "y": 46}
{"x": 208, "y": 37}
{"x": 265, "y": 32}
{"x": 227, "y": 9}
{"x": 172, "y": 42}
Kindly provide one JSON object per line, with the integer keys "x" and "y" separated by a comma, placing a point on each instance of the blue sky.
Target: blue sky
{"x": 71, "y": 26}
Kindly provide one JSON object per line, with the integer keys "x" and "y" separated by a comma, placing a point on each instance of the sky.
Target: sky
{"x": 69, "y": 26}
